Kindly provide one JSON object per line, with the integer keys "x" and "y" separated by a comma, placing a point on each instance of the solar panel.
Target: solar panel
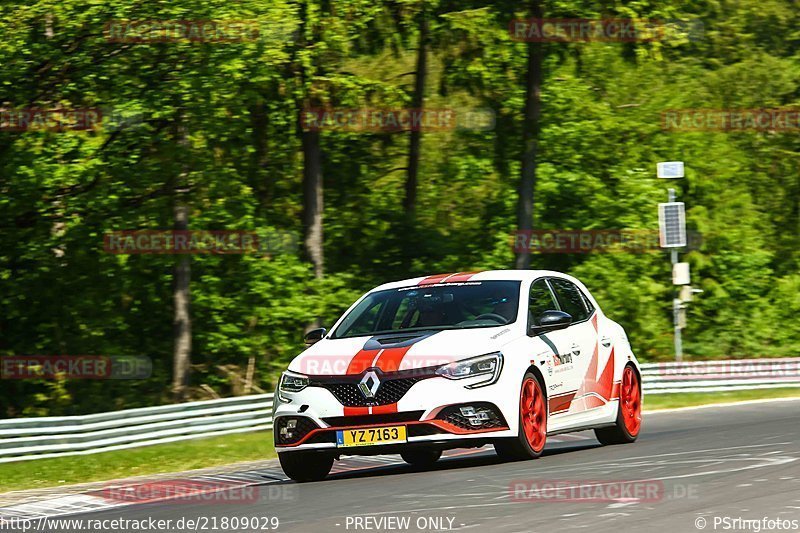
{"x": 669, "y": 169}
{"x": 672, "y": 224}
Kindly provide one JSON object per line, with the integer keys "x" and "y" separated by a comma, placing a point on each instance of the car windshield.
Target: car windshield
{"x": 458, "y": 306}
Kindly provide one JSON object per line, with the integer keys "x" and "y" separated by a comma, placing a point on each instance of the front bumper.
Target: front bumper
{"x": 430, "y": 410}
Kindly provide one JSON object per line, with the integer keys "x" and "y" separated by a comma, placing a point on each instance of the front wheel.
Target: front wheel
{"x": 529, "y": 443}
{"x": 421, "y": 458}
{"x": 629, "y": 414}
{"x": 306, "y": 466}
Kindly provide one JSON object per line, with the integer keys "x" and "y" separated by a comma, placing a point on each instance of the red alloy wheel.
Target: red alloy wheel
{"x": 631, "y": 401}
{"x": 534, "y": 414}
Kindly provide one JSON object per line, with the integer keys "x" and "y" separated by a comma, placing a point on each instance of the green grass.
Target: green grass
{"x": 173, "y": 457}
{"x": 668, "y": 401}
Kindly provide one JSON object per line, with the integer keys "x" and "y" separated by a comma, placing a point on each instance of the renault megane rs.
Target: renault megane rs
{"x": 457, "y": 360}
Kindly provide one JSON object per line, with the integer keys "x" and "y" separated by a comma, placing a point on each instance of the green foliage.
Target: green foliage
{"x": 218, "y": 123}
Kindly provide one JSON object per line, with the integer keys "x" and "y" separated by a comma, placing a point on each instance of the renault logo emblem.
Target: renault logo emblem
{"x": 369, "y": 384}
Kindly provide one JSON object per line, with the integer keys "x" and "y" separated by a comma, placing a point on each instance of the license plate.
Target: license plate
{"x": 370, "y": 436}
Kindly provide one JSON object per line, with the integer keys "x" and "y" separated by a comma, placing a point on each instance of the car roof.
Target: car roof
{"x": 487, "y": 275}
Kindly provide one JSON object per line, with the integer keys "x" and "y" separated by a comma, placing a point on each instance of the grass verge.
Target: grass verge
{"x": 654, "y": 402}
{"x": 172, "y": 457}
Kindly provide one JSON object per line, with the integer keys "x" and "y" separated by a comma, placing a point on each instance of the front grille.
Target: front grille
{"x": 390, "y": 391}
{"x": 285, "y": 436}
{"x": 361, "y": 420}
{"x": 454, "y": 416}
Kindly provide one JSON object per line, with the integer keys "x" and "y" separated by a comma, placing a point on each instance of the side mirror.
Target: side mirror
{"x": 315, "y": 335}
{"x": 550, "y": 321}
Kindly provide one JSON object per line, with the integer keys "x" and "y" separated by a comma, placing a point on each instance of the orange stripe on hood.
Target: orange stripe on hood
{"x": 361, "y": 361}
{"x": 390, "y": 359}
{"x": 430, "y": 280}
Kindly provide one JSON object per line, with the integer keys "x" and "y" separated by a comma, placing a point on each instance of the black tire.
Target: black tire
{"x": 519, "y": 448}
{"x": 619, "y": 432}
{"x": 421, "y": 458}
{"x": 306, "y": 466}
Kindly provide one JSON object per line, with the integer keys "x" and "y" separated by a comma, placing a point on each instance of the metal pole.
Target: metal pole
{"x": 676, "y": 303}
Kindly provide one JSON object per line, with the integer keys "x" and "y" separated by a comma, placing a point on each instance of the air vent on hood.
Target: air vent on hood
{"x": 397, "y": 340}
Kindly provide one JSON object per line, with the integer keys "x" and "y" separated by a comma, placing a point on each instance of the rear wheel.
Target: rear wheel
{"x": 530, "y": 441}
{"x": 305, "y": 466}
{"x": 421, "y": 457}
{"x": 629, "y": 415}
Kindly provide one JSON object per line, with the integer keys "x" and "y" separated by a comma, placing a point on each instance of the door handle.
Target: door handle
{"x": 576, "y": 350}
{"x": 605, "y": 341}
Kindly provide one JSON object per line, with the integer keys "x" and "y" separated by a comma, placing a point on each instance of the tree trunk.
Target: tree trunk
{"x": 312, "y": 200}
{"x": 182, "y": 322}
{"x": 530, "y": 138}
{"x": 260, "y": 178}
{"x": 417, "y": 103}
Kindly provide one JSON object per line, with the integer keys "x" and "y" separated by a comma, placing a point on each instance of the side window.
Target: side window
{"x": 540, "y": 300}
{"x": 571, "y": 299}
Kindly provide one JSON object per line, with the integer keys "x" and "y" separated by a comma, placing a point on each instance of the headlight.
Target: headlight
{"x": 291, "y": 382}
{"x": 488, "y": 365}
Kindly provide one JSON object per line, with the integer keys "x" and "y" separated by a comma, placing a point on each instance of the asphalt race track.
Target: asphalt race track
{"x": 696, "y": 468}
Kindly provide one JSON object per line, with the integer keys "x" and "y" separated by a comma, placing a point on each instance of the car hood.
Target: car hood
{"x": 393, "y": 352}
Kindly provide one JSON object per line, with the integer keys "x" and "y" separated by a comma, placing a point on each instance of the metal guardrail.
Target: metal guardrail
{"x": 718, "y": 376}
{"x": 38, "y": 438}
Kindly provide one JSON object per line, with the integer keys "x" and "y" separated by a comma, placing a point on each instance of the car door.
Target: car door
{"x": 583, "y": 345}
{"x": 552, "y": 350}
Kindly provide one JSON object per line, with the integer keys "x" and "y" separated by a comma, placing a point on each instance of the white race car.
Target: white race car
{"x": 453, "y": 361}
